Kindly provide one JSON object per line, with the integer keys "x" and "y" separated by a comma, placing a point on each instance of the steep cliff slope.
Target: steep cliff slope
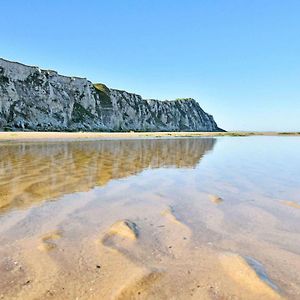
{"x": 35, "y": 99}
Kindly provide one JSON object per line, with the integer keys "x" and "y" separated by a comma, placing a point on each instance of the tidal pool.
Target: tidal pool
{"x": 177, "y": 218}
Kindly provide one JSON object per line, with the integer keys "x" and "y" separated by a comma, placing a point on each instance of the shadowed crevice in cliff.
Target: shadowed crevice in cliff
{"x": 31, "y": 173}
{"x": 43, "y": 100}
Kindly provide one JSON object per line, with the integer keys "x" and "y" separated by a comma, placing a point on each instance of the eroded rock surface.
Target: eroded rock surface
{"x": 35, "y": 99}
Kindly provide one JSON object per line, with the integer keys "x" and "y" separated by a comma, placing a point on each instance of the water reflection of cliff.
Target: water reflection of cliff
{"x": 30, "y": 173}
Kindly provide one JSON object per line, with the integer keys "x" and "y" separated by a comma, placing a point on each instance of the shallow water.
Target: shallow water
{"x": 178, "y": 218}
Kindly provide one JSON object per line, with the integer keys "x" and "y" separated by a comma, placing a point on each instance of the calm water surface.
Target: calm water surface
{"x": 225, "y": 211}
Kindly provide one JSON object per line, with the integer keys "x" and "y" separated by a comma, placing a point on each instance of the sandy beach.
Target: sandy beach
{"x": 148, "y": 219}
{"x": 48, "y": 136}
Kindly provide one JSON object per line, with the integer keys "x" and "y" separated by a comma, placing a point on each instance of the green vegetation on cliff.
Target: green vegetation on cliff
{"x": 104, "y": 93}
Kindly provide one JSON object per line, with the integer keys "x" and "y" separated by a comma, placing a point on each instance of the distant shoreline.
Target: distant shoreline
{"x": 45, "y": 136}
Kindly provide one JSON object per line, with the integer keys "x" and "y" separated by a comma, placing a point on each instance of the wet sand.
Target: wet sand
{"x": 193, "y": 218}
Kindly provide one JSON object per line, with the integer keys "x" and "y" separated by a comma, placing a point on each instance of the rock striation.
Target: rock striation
{"x": 43, "y": 100}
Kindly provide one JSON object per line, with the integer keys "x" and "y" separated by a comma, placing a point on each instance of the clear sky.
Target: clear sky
{"x": 239, "y": 59}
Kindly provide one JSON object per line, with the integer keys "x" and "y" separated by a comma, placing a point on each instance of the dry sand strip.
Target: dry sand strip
{"x": 28, "y": 136}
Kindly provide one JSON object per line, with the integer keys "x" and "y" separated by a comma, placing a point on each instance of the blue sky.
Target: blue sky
{"x": 239, "y": 59}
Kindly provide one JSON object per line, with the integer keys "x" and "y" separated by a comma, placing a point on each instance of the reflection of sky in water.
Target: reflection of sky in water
{"x": 266, "y": 165}
{"x": 238, "y": 168}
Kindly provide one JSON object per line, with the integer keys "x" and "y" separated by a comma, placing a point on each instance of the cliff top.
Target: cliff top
{"x": 100, "y": 87}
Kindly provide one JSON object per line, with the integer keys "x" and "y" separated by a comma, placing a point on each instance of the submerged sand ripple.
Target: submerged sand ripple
{"x": 215, "y": 199}
{"x": 249, "y": 274}
{"x": 123, "y": 229}
{"x": 152, "y": 236}
{"x": 139, "y": 287}
{"x": 48, "y": 240}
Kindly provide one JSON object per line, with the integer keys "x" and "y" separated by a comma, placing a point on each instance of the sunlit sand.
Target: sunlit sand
{"x": 176, "y": 218}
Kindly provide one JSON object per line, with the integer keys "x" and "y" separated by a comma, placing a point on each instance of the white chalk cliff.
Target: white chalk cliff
{"x": 35, "y": 99}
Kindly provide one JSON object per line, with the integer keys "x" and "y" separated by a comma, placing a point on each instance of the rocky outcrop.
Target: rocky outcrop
{"x": 35, "y": 99}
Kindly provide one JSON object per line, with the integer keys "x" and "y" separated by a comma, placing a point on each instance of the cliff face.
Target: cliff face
{"x": 35, "y": 99}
